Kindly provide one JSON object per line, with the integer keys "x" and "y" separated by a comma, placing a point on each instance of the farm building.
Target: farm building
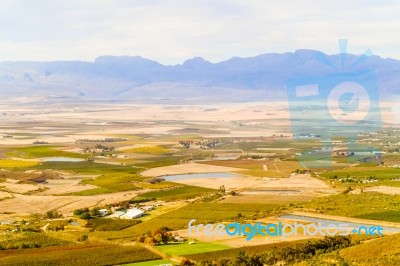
{"x": 117, "y": 214}
{"x": 132, "y": 214}
{"x": 103, "y": 212}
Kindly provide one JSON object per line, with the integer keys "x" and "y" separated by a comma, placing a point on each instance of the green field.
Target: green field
{"x": 181, "y": 192}
{"x": 178, "y": 249}
{"x": 161, "y": 161}
{"x": 390, "y": 216}
{"x": 31, "y": 152}
{"x": 380, "y": 173}
{"x": 369, "y": 205}
{"x": 115, "y": 182}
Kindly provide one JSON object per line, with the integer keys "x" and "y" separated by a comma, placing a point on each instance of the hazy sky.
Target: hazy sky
{"x": 171, "y": 31}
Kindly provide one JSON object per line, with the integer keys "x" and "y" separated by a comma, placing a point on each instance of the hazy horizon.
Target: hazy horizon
{"x": 216, "y": 30}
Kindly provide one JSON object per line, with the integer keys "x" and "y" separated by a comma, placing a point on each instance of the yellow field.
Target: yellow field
{"x": 148, "y": 150}
{"x": 7, "y": 163}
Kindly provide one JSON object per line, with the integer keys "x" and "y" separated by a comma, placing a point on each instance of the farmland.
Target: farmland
{"x": 369, "y": 205}
{"x": 229, "y": 171}
{"x": 110, "y": 224}
{"x": 42, "y": 151}
{"x": 76, "y": 255}
{"x": 16, "y": 163}
{"x": 155, "y": 150}
{"x": 202, "y": 212}
{"x": 362, "y": 172}
{"x": 384, "y": 251}
{"x": 31, "y": 240}
{"x": 181, "y": 192}
{"x": 179, "y": 249}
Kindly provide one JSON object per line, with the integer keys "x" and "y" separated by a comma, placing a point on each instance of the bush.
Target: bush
{"x": 85, "y": 216}
{"x": 82, "y": 238}
{"x": 78, "y": 212}
{"x": 186, "y": 262}
{"x": 53, "y": 215}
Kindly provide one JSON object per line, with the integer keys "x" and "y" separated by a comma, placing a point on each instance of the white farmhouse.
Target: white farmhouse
{"x": 103, "y": 212}
{"x": 132, "y": 214}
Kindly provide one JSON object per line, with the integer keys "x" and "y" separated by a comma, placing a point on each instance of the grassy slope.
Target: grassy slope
{"x": 383, "y": 251}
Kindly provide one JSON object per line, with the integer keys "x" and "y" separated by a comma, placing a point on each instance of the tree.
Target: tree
{"x": 150, "y": 241}
{"x": 222, "y": 189}
{"x": 82, "y": 238}
{"x": 95, "y": 211}
{"x": 53, "y": 214}
{"x": 141, "y": 239}
{"x": 233, "y": 193}
{"x": 186, "y": 262}
{"x": 85, "y": 216}
{"x": 161, "y": 235}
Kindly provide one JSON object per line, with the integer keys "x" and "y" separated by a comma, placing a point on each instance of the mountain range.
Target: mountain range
{"x": 133, "y": 78}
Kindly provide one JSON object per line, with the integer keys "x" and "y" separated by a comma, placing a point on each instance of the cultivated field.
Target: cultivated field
{"x": 188, "y": 168}
{"x": 69, "y": 175}
{"x": 25, "y": 204}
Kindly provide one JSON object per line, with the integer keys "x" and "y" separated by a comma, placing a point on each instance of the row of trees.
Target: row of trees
{"x": 53, "y": 215}
{"x": 99, "y": 149}
{"x": 285, "y": 256}
{"x": 204, "y": 144}
{"x": 157, "y": 236}
{"x": 87, "y": 214}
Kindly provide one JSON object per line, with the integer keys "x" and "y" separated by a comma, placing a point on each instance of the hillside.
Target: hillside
{"x": 383, "y": 251}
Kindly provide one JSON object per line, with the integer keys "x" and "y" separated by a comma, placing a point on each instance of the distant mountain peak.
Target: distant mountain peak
{"x": 196, "y": 61}
{"x": 124, "y": 59}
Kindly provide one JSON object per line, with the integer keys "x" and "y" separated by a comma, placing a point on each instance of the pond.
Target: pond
{"x": 325, "y": 222}
{"x": 203, "y": 175}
